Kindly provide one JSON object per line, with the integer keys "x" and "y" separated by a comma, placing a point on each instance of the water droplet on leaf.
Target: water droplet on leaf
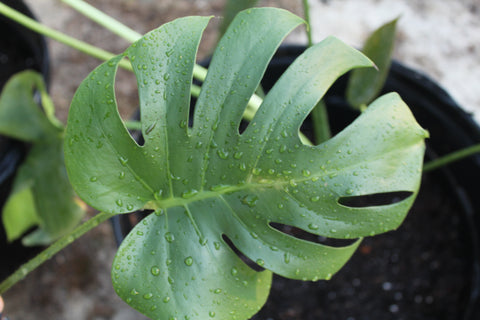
{"x": 313, "y": 226}
{"x": 188, "y": 261}
{"x": 250, "y": 200}
{"x": 189, "y": 194}
{"x": 147, "y": 296}
{"x": 169, "y": 237}
{"x": 155, "y": 271}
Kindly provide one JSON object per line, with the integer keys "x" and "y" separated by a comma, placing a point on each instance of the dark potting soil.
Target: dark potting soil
{"x": 420, "y": 271}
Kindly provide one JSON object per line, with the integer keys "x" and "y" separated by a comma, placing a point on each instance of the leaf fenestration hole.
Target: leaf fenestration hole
{"x": 243, "y": 125}
{"x": 307, "y": 236}
{"x": 126, "y": 93}
{"x": 374, "y": 200}
{"x": 250, "y": 263}
{"x": 137, "y": 135}
{"x": 127, "y": 99}
{"x": 191, "y": 111}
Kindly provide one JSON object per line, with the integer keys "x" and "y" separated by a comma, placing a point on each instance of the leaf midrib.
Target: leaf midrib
{"x": 277, "y": 184}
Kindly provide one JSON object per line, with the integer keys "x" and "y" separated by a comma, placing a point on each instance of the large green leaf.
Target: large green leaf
{"x": 42, "y": 195}
{"x": 209, "y": 184}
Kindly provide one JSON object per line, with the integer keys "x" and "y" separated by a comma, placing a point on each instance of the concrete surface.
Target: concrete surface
{"x": 439, "y": 38}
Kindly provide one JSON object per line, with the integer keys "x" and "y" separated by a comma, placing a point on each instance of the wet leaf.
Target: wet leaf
{"x": 211, "y": 186}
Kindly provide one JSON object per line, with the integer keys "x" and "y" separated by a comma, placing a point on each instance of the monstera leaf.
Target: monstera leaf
{"x": 215, "y": 190}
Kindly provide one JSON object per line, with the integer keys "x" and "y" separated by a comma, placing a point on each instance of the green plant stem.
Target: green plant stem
{"x": 319, "y": 114}
{"x": 49, "y": 109}
{"x": 60, "y": 37}
{"x": 133, "y": 125}
{"x": 321, "y": 126}
{"x": 306, "y": 13}
{"x": 104, "y": 20}
{"x": 119, "y": 28}
{"x": 52, "y": 250}
{"x": 452, "y": 157}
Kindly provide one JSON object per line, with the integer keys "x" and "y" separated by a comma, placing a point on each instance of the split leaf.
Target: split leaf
{"x": 216, "y": 191}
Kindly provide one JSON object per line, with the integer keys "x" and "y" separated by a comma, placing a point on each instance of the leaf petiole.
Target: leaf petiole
{"x": 306, "y": 14}
{"x": 104, "y": 20}
{"x": 119, "y": 28}
{"x": 52, "y": 250}
{"x": 58, "y": 36}
{"x": 452, "y": 157}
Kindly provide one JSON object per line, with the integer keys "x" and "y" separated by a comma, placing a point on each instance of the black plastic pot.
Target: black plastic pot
{"x": 20, "y": 49}
{"x": 427, "y": 269}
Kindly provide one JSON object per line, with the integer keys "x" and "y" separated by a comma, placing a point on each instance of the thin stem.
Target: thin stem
{"x": 452, "y": 157}
{"x": 319, "y": 113}
{"x": 306, "y": 13}
{"x": 321, "y": 126}
{"x": 133, "y": 125}
{"x": 42, "y": 29}
{"x": 52, "y": 250}
{"x": 120, "y": 29}
{"x": 60, "y": 37}
{"x": 49, "y": 109}
{"x": 104, "y": 20}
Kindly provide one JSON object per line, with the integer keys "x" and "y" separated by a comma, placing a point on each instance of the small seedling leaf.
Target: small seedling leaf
{"x": 365, "y": 84}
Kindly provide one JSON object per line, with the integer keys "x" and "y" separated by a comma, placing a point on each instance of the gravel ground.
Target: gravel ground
{"x": 442, "y": 38}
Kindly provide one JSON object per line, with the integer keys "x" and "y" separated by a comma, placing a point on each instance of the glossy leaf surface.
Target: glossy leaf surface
{"x": 209, "y": 184}
{"x": 42, "y": 195}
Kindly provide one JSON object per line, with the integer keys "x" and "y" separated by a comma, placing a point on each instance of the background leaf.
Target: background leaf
{"x": 364, "y": 85}
{"x": 19, "y": 214}
{"x": 42, "y": 194}
{"x": 214, "y": 190}
{"x": 20, "y": 116}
